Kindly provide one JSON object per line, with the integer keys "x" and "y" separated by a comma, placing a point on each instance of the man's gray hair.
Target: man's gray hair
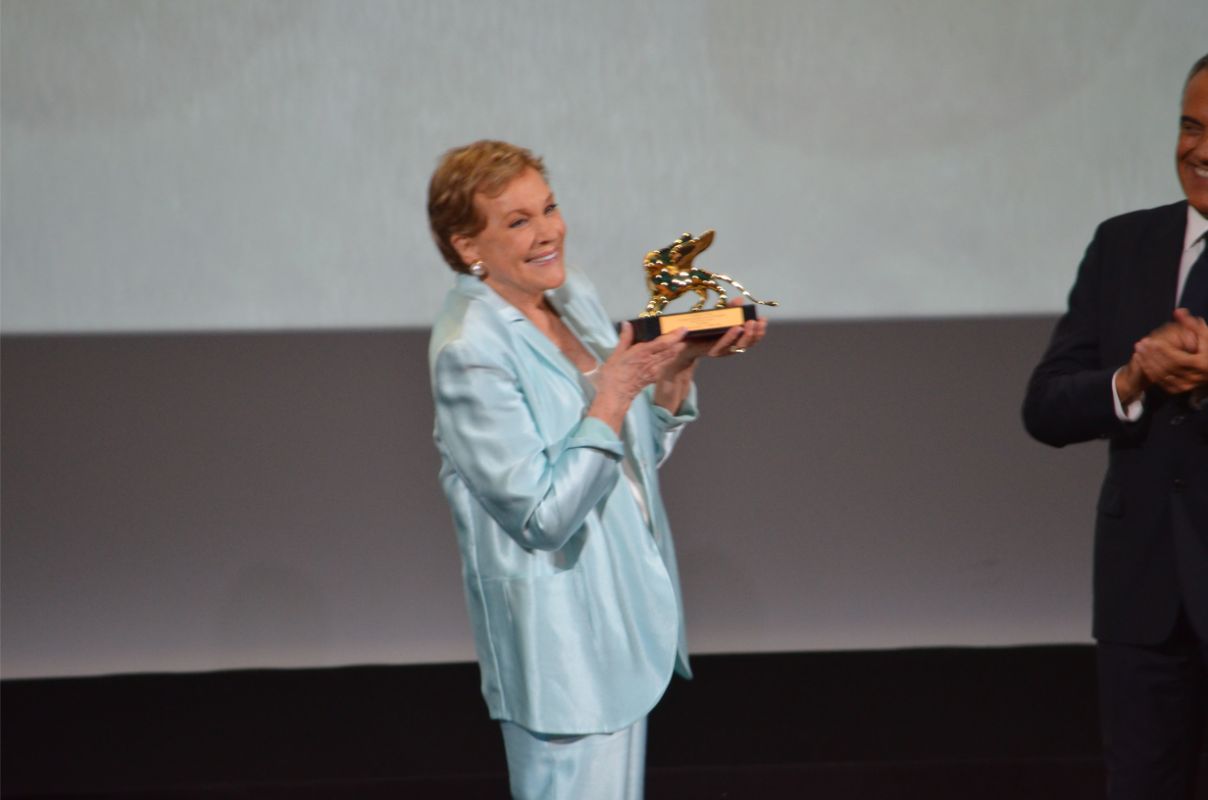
{"x": 1196, "y": 69}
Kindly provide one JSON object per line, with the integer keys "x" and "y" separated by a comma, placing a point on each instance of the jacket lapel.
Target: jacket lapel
{"x": 521, "y": 327}
{"x": 1159, "y": 277}
{"x": 584, "y": 318}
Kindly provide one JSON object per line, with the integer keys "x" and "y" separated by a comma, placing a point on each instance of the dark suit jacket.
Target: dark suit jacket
{"x": 1151, "y": 526}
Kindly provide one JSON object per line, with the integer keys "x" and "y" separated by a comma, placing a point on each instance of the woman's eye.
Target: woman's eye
{"x": 516, "y": 223}
{"x": 551, "y": 208}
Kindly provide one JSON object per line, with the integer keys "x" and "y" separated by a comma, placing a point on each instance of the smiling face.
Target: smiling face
{"x": 1191, "y": 154}
{"x": 521, "y": 245}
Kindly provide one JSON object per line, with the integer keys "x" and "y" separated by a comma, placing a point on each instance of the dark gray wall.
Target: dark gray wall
{"x": 209, "y": 501}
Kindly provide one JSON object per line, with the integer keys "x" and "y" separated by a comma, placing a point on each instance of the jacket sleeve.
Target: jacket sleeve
{"x": 668, "y": 426}
{"x": 1069, "y": 396}
{"x": 540, "y": 495}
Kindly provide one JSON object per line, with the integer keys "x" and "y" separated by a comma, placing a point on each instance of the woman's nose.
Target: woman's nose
{"x": 550, "y": 228}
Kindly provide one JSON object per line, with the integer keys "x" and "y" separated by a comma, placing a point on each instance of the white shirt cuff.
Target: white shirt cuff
{"x": 1133, "y": 412}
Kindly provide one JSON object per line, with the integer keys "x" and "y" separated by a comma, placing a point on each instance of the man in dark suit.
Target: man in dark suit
{"x": 1129, "y": 362}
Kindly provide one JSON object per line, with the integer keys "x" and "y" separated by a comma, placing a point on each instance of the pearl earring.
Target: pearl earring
{"x": 478, "y": 270}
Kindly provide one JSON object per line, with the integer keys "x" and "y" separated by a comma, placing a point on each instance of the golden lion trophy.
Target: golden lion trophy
{"x": 670, "y": 272}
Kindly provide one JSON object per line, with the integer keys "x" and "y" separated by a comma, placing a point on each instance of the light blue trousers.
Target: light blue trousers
{"x": 605, "y": 766}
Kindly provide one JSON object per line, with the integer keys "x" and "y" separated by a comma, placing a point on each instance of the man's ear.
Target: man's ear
{"x": 466, "y": 247}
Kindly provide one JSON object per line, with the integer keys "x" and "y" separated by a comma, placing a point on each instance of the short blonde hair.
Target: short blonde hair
{"x": 485, "y": 166}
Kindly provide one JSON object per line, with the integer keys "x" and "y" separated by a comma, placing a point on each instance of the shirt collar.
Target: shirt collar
{"x": 1197, "y": 226}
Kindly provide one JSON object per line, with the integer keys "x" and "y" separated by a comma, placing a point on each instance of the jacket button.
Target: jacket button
{"x": 1179, "y": 484}
{"x": 1178, "y": 419}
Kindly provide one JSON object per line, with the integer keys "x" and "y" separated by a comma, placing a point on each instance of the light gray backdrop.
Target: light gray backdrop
{"x": 235, "y": 164}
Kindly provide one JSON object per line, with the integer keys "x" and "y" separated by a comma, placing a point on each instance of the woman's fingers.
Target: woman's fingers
{"x": 739, "y": 338}
{"x": 728, "y": 340}
{"x": 632, "y": 365}
{"x": 625, "y": 338}
{"x": 663, "y": 351}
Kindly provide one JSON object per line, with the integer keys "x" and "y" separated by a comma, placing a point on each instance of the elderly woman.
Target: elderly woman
{"x": 550, "y": 429}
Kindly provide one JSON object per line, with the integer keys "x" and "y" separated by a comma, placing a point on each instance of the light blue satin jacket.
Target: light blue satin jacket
{"x": 574, "y": 599}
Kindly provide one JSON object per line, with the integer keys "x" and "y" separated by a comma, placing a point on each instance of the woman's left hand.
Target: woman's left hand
{"x": 672, "y": 386}
{"x": 735, "y": 341}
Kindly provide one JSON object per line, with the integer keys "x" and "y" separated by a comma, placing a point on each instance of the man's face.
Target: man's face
{"x": 1191, "y": 154}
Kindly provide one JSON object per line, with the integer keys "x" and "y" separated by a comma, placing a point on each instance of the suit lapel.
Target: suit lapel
{"x": 1158, "y": 278}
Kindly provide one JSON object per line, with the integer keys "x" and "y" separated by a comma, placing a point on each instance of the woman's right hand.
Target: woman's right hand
{"x": 631, "y": 368}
